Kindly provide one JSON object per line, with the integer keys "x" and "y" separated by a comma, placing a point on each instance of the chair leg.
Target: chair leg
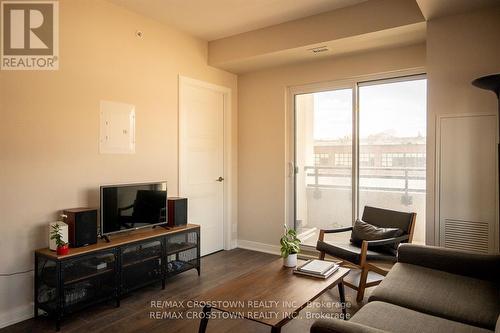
{"x": 362, "y": 284}
{"x": 322, "y": 255}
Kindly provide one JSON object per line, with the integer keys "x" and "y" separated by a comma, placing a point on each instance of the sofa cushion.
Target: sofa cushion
{"x": 341, "y": 326}
{"x": 455, "y": 297}
{"x": 393, "y": 318}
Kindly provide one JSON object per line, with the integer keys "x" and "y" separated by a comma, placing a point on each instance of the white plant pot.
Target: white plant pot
{"x": 290, "y": 260}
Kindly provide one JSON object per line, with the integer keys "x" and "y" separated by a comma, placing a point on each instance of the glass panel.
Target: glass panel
{"x": 87, "y": 267}
{"x": 392, "y": 130}
{"x": 47, "y": 285}
{"x": 137, "y": 253}
{"x": 323, "y": 159}
{"x": 88, "y": 279}
{"x": 181, "y": 241}
{"x": 182, "y": 252}
{"x": 141, "y": 264}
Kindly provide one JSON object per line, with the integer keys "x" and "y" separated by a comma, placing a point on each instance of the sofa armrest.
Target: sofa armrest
{"x": 341, "y": 326}
{"x": 480, "y": 266}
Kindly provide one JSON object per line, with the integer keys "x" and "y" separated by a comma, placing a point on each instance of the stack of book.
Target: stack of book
{"x": 317, "y": 268}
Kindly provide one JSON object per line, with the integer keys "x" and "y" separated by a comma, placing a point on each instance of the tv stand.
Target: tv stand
{"x": 112, "y": 268}
{"x": 106, "y": 238}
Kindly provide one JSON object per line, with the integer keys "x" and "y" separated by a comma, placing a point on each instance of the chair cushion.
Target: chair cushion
{"x": 365, "y": 231}
{"x": 451, "y": 296}
{"x": 385, "y": 218}
{"x": 351, "y": 252}
{"x": 393, "y": 318}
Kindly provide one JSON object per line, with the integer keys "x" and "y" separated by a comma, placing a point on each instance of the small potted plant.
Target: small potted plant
{"x": 56, "y": 235}
{"x": 290, "y": 246}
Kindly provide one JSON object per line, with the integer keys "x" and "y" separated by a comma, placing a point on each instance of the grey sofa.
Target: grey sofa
{"x": 430, "y": 290}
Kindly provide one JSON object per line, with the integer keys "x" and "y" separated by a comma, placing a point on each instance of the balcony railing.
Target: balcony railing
{"x": 324, "y": 177}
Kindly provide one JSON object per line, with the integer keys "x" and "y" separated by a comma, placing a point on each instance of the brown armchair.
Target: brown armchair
{"x": 369, "y": 255}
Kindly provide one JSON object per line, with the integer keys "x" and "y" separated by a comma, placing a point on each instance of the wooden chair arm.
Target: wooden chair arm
{"x": 364, "y": 251}
{"x": 322, "y": 232}
{"x": 365, "y": 244}
{"x": 333, "y": 231}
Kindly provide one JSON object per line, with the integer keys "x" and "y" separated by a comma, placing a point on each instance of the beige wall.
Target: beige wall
{"x": 49, "y": 126}
{"x": 261, "y": 127}
{"x": 459, "y": 49}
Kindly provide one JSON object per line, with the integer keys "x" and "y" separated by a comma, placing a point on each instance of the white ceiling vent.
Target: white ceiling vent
{"x": 318, "y": 49}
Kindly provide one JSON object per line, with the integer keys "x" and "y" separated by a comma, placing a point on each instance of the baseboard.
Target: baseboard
{"x": 260, "y": 247}
{"x": 16, "y": 315}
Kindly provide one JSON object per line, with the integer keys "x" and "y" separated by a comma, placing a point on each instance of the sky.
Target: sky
{"x": 396, "y": 108}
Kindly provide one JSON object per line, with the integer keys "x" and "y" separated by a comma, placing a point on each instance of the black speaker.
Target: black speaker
{"x": 177, "y": 212}
{"x": 82, "y": 226}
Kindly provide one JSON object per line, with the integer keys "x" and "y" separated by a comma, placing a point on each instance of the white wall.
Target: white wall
{"x": 460, "y": 49}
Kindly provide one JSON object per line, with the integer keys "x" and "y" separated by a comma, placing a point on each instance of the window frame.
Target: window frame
{"x": 354, "y": 84}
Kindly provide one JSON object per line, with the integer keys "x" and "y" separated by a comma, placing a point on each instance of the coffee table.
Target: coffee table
{"x": 271, "y": 295}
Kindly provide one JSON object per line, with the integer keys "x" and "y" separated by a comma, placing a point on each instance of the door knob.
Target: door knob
{"x": 220, "y": 179}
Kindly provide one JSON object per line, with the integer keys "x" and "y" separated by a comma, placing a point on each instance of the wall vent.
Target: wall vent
{"x": 466, "y": 235}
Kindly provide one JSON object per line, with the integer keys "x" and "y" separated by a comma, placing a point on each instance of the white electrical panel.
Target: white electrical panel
{"x": 117, "y": 128}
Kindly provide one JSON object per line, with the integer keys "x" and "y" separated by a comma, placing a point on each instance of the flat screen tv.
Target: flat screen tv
{"x": 132, "y": 206}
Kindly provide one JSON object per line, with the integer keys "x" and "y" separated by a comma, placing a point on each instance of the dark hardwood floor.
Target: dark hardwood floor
{"x": 135, "y": 312}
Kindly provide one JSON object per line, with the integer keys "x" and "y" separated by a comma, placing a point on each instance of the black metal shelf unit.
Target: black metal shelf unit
{"x": 65, "y": 285}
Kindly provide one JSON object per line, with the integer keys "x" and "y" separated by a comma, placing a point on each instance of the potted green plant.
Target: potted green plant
{"x": 290, "y": 246}
{"x": 56, "y": 235}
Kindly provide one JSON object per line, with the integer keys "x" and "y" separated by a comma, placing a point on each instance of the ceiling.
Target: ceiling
{"x": 396, "y": 37}
{"x": 215, "y": 19}
{"x": 432, "y": 9}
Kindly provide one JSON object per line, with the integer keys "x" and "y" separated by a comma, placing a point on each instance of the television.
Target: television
{"x": 132, "y": 206}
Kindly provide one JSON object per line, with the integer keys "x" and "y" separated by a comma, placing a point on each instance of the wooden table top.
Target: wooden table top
{"x": 117, "y": 240}
{"x": 271, "y": 294}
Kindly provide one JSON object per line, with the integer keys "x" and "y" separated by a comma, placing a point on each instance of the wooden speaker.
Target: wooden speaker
{"x": 177, "y": 212}
{"x": 82, "y": 226}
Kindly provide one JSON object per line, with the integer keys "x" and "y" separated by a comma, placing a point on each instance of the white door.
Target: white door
{"x": 201, "y": 160}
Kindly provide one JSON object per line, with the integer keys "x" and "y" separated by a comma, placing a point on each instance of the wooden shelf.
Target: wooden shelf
{"x": 88, "y": 276}
{"x": 187, "y": 265}
{"x": 140, "y": 261}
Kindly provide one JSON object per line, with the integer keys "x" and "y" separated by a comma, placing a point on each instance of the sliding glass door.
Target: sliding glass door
{"x": 360, "y": 145}
{"x": 323, "y": 160}
{"x": 392, "y": 141}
